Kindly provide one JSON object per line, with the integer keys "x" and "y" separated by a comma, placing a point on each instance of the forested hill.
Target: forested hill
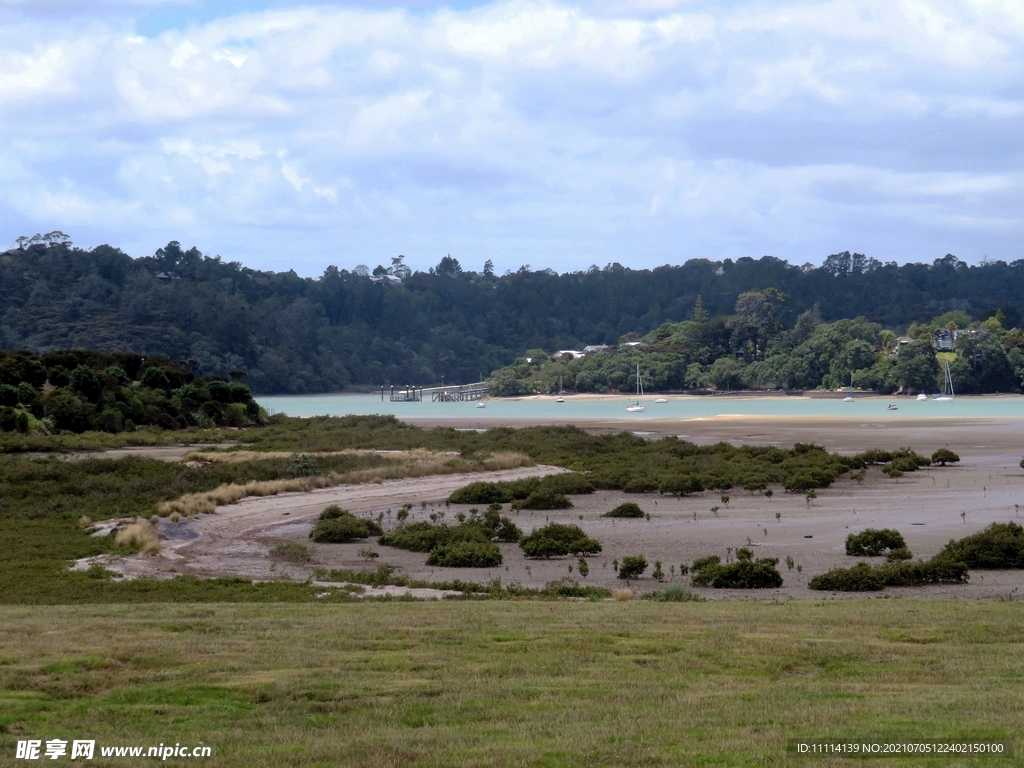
{"x": 294, "y": 334}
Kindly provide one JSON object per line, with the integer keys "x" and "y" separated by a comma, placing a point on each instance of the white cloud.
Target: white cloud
{"x": 630, "y": 130}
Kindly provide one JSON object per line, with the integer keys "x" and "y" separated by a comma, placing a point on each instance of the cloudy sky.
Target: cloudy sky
{"x": 555, "y": 134}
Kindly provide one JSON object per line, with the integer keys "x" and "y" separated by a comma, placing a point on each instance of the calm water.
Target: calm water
{"x": 1011, "y": 406}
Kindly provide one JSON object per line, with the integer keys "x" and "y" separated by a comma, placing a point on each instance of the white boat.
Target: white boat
{"x": 636, "y": 407}
{"x": 947, "y": 385}
{"x": 922, "y": 396}
{"x": 849, "y": 397}
{"x": 481, "y": 405}
{"x": 560, "y": 398}
{"x": 661, "y": 400}
{"x": 892, "y": 407}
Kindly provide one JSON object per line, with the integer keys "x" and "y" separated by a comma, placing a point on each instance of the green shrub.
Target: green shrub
{"x": 934, "y": 571}
{"x": 860, "y": 578}
{"x": 338, "y": 526}
{"x": 568, "y": 483}
{"x": 482, "y": 493}
{"x": 703, "y": 562}
{"x": 632, "y": 566}
{"x": 543, "y": 498}
{"x": 898, "y": 555}
{"x": 425, "y": 537}
{"x": 465, "y": 554}
{"x": 1001, "y": 545}
{"x": 755, "y": 483}
{"x": 872, "y": 542}
{"x": 500, "y": 528}
{"x": 944, "y": 456}
{"x": 572, "y": 588}
{"x": 301, "y": 465}
{"x": 743, "y": 574}
{"x": 629, "y": 509}
{"x": 681, "y": 485}
{"x": 640, "y": 485}
{"x": 558, "y": 540}
{"x": 674, "y": 593}
{"x": 864, "y": 578}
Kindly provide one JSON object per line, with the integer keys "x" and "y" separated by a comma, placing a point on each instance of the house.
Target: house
{"x": 595, "y": 348}
{"x": 943, "y": 339}
{"x": 574, "y": 352}
{"x": 168, "y": 277}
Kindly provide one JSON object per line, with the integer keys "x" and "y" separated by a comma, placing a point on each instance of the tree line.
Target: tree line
{"x": 752, "y": 349}
{"x": 282, "y": 333}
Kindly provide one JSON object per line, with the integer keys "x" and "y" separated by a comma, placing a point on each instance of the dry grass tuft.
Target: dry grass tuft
{"x": 175, "y": 517}
{"x": 415, "y": 463}
{"x": 85, "y": 521}
{"x": 139, "y": 534}
{"x": 622, "y": 595}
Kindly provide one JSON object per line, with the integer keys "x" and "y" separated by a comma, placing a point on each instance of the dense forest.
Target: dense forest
{"x": 284, "y": 333}
{"x": 80, "y": 390}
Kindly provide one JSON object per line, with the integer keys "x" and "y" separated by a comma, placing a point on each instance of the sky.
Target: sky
{"x": 292, "y": 135}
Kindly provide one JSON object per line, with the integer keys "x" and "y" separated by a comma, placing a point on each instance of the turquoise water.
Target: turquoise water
{"x": 1011, "y": 406}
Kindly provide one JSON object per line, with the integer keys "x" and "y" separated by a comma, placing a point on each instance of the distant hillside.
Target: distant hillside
{"x": 282, "y": 333}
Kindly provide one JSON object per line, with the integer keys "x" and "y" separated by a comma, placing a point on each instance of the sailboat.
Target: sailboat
{"x": 947, "y": 385}
{"x": 849, "y": 396}
{"x": 636, "y": 407}
{"x": 560, "y": 398}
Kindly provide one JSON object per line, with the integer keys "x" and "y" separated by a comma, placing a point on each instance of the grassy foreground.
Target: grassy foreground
{"x": 511, "y": 684}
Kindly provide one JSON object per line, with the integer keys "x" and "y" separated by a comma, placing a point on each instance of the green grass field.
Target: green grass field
{"x": 511, "y": 683}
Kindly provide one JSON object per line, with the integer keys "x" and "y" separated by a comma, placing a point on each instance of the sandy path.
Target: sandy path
{"x": 237, "y": 539}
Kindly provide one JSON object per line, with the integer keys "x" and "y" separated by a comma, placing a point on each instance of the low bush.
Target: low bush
{"x": 568, "y": 483}
{"x": 572, "y": 588}
{"x": 746, "y": 573}
{"x": 543, "y": 498}
{"x": 1001, "y": 545}
{"x": 629, "y": 509}
{"x": 500, "y": 528}
{"x": 465, "y": 554}
{"x": 944, "y": 456}
{"x": 934, "y": 571}
{"x": 681, "y": 485}
{"x": 640, "y": 485}
{"x": 860, "y": 578}
{"x": 338, "y": 526}
{"x": 292, "y": 551}
{"x": 703, "y": 562}
{"x": 632, "y": 566}
{"x": 865, "y": 578}
{"x": 139, "y": 536}
{"x": 482, "y": 493}
{"x": 425, "y": 537}
{"x": 674, "y": 593}
{"x": 504, "y": 492}
{"x": 558, "y": 540}
{"x": 898, "y": 555}
{"x": 872, "y": 542}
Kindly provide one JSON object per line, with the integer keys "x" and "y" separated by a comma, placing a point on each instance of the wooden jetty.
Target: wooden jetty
{"x": 449, "y": 394}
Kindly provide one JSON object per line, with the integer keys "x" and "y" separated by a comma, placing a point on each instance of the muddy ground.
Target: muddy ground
{"x": 925, "y": 507}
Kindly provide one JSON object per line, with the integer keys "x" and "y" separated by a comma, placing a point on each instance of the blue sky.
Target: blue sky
{"x": 296, "y": 135}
